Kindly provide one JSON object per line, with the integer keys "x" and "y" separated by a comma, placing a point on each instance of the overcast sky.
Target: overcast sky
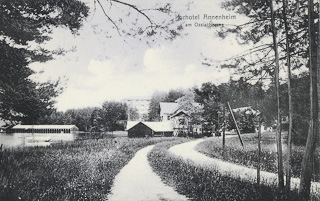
{"x": 107, "y": 66}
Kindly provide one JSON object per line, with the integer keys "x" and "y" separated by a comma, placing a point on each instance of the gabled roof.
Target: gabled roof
{"x": 168, "y": 108}
{"x": 155, "y": 126}
{"x": 131, "y": 124}
{"x": 44, "y": 126}
{"x": 178, "y": 112}
{"x": 159, "y": 126}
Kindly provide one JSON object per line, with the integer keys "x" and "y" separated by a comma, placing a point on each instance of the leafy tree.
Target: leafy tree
{"x": 113, "y": 114}
{"x": 80, "y": 117}
{"x": 154, "y": 107}
{"x": 23, "y": 23}
{"x": 133, "y": 114}
{"x": 209, "y": 97}
{"x": 175, "y": 94}
{"x": 188, "y": 104}
{"x": 97, "y": 121}
{"x": 56, "y": 117}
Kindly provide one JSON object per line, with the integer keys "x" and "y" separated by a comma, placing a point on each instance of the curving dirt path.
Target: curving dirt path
{"x": 137, "y": 182}
{"x": 187, "y": 151}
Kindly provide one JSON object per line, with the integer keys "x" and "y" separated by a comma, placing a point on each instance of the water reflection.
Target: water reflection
{"x": 11, "y": 140}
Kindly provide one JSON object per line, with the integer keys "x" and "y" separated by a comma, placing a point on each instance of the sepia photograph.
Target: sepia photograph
{"x": 160, "y": 100}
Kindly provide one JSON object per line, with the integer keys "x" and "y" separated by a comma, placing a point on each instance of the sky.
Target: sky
{"x": 100, "y": 64}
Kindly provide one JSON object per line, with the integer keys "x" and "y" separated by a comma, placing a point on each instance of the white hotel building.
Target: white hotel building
{"x": 141, "y": 103}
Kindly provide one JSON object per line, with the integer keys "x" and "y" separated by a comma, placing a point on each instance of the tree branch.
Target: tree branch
{"x": 108, "y": 17}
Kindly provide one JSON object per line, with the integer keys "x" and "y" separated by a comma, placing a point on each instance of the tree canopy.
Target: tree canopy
{"x": 24, "y": 25}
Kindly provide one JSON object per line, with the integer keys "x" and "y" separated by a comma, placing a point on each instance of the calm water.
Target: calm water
{"x": 11, "y": 140}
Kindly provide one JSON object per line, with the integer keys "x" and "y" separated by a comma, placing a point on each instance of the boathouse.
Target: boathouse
{"x": 45, "y": 129}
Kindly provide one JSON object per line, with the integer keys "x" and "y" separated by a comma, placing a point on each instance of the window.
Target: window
{"x": 168, "y": 117}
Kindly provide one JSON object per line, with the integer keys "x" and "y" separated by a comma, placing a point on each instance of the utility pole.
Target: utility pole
{"x": 235, "y": 122}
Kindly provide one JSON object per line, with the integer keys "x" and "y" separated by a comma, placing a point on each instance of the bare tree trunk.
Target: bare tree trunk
{"x": 259, "y": 150}
{"x": 289, "y": 145}
{"x": 318, "y": 66}
{"x": 307, "y": 163}
{"x": 224, "y": 127}
{"x": 278, "y": 131}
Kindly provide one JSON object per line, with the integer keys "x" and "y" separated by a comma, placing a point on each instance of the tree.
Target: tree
{"x": 143, "y": 25}
{"x": 209, "y": 97}
{"x": 97, "y": 121}
{"x": 56, "y": 117}
{"x": 174, "y": 94}
{"x": 32, "y": 21}
{"x": 112, "y": 114}
{"x": 307, "y": 164}
{"x": 188, "y": 104}
{"x": 24, "y": 22}
{"x": 258, "y": 32}
{"x": 295, "y": 29}
{"x": 80, "y": 117}
{"x": 133, "y": 114}
{"x": 290, "y": 112}
{"x": 154, "y": 107}
{"x": 278, "y": 131}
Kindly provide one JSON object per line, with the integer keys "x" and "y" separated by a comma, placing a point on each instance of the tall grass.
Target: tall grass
{"x": 248, "y": 156}
{"x": 200, "y": 183}
{"x": 80, "y": 170}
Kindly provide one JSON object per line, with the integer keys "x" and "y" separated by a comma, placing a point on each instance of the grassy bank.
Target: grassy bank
{"x": 80, "y": 170}
{"x": 203, "y": 184}
{"x": 248, "y": 156}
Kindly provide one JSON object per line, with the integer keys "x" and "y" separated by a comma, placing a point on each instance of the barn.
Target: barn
{"x": 149, "y": 129}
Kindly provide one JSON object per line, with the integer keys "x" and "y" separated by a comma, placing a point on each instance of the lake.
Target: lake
{"x": 12, "y": 140}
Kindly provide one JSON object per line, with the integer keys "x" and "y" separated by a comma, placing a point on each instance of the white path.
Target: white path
{"x": 188, "y": 152}
{"x": 137, "y": 182}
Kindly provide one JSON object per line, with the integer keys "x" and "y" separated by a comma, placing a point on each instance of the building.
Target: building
{"x": 181, "y": 123}
{"x": 45, "y": 129}
{"x": 140, "y": 103}
{"x": 149, "y": 129}
{"x": 167, "y": 109}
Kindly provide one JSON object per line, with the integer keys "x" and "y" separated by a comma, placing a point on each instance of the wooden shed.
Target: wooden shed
{"x": 140, "y": 130}
{"x": 149, "y": 129}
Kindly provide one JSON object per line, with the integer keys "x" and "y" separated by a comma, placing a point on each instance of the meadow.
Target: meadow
{"x": 200, "y": 183}
{"x": 248, "y": 156}
{"x": 79, "y": 170}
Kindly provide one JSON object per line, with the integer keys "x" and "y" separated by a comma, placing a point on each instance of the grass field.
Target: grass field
{"x": 80, "y": 170}
{"x": 206, "y": 184}
{"x": 248, "y": 156}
